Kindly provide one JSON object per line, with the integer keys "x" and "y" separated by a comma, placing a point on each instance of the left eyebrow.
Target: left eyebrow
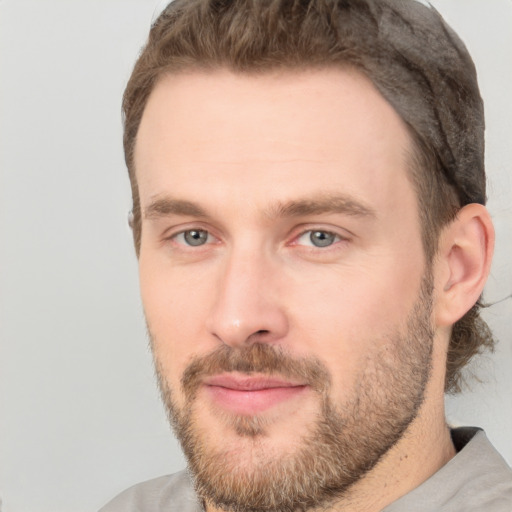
{"x": 343, "y": 204}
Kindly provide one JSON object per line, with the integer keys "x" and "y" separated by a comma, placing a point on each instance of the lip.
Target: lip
{"x": 248, "y": 394}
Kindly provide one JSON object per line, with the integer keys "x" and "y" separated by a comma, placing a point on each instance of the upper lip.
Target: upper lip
{"x": 242, "y": 382}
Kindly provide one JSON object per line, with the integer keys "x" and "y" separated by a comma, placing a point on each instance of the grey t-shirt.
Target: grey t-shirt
{"x": 477, "y": 479}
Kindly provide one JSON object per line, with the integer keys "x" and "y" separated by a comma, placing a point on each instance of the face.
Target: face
{"x": 283, "y": 280}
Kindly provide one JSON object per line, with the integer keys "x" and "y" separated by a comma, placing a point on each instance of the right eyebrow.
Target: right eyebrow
{"x": 165, "y": 206}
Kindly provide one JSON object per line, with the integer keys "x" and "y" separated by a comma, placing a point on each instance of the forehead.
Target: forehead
{"x": 292, "y": 129}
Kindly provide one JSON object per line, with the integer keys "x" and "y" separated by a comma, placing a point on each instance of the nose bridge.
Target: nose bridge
{"x": 247, "y": 305}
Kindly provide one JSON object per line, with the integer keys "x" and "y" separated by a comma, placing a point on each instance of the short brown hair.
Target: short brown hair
{"x": 412, "y": 56}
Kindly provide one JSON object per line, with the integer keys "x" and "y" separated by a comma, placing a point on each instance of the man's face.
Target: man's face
{"x": 283, "y": 279}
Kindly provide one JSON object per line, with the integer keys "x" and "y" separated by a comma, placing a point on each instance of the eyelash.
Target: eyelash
{"x": 336, "y": 238}
{"x": 177, "y": 243}
{"x": 295, "y": 241}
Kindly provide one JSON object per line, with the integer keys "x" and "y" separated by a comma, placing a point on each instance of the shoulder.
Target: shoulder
{"x": 477, "y": 479}
{"x": 171, "y": 493}
{"x": 486, "y": 476}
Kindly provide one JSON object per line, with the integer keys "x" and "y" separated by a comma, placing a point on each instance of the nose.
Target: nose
{"x": 248, "y": 302}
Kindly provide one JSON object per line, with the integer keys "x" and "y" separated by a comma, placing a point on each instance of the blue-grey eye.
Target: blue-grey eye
{"x": 322, "y": 238}
{"x": 195, "y": 237}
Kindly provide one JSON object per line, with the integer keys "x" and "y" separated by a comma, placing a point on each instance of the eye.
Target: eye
{"x": 318, "y": 238}
{"x": 193, "y": 237}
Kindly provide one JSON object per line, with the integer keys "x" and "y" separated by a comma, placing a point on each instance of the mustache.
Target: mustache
{"x": 255, "y": 358}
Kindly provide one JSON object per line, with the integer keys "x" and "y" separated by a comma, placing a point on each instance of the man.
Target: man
{"x": 308, "y": 213}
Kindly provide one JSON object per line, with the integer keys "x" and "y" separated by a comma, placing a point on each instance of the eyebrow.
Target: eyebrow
{"x": 325, "y": 203}
{"x": 316, "y": 205}
{"x": 166, "y": 206}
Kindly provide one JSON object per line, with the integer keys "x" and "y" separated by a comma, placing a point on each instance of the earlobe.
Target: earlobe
{"x": 464, "y": 260}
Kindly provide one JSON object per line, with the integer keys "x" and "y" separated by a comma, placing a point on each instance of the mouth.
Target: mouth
{"x": 251, "y": 394}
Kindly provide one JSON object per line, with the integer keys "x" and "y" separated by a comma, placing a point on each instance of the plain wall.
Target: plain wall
{"x": 80, "y": 415}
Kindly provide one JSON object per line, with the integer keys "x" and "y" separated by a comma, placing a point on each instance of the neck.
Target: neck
{"x": 422, "y": 451}
{"x": 425, "y": 447}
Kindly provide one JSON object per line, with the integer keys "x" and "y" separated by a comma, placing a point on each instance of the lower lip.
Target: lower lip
{"x": 254, "y": 401}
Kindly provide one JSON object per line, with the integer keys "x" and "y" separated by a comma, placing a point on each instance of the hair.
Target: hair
{"x": 405, "y": 48}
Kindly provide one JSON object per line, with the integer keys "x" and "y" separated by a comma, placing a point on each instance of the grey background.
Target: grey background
{"x": 80, "y": 417}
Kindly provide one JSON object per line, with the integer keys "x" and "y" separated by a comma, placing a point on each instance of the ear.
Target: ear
{"x": 463, "y": 264}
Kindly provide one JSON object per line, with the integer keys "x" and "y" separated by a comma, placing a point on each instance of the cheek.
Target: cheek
{"x": 174, "y": 311}
{"x": 350, "y": 319}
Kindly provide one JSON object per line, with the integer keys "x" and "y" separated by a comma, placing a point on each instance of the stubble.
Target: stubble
{"x": 342, "y": 444}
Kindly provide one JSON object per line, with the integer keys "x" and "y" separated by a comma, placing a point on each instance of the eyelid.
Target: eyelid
{"x": 342, "y": 234}
{"x": 183, "y": 234}
{"x": 336, "y": 238}
{"x": 171, "y": 233}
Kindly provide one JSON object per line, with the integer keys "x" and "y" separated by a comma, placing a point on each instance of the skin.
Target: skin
{"x": 241, "y": 149}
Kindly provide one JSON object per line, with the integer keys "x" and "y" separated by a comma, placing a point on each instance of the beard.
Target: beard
{"x": 342, "y": 444}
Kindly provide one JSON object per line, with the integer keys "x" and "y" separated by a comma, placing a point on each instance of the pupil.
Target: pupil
{"x": 321, "y": 238}
{"x": 195, "y": 237}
